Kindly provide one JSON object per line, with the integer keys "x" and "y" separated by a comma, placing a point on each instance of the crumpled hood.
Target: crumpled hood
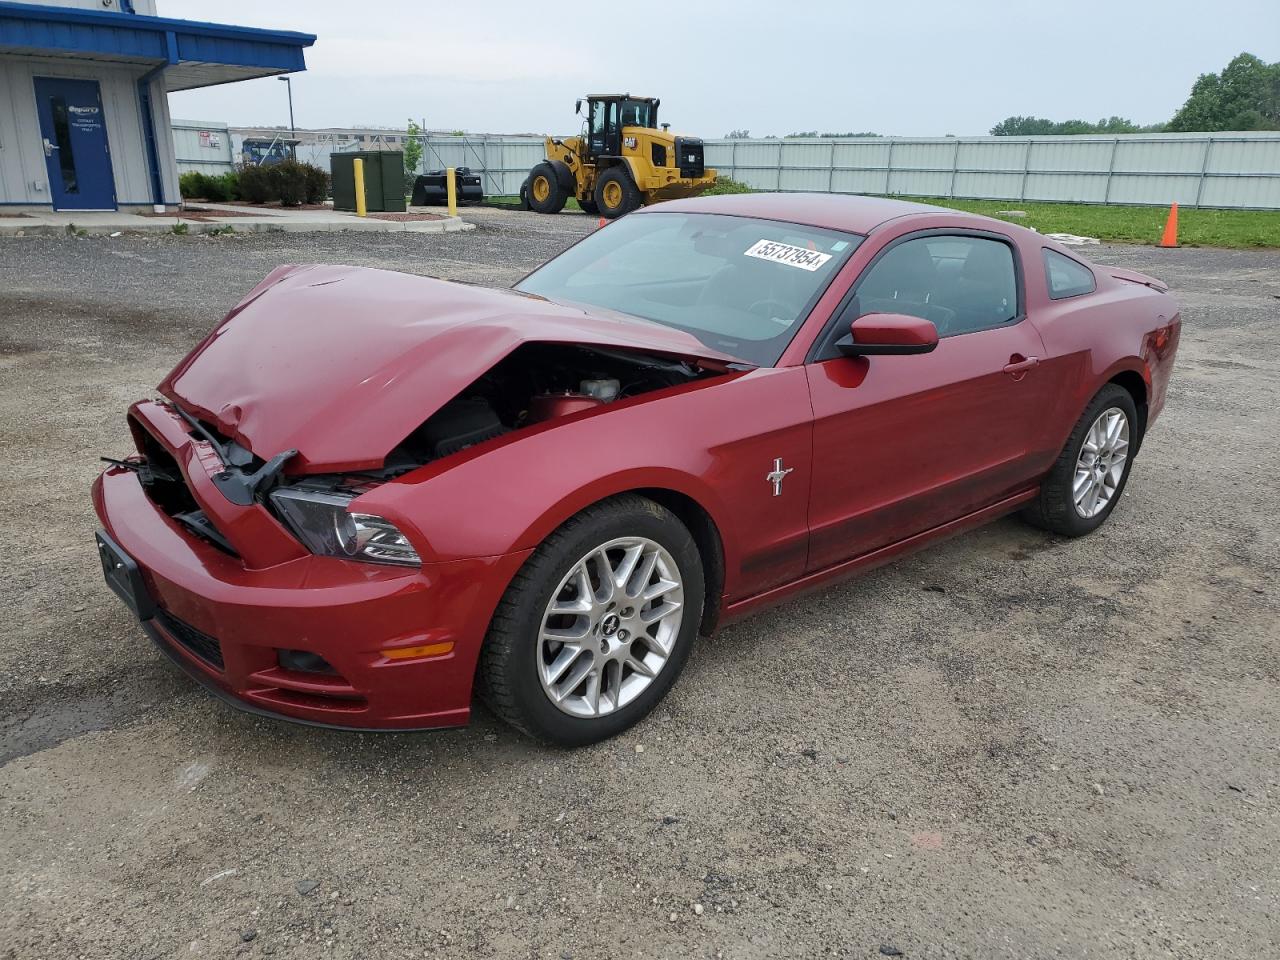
{"x": 343, "y": 363}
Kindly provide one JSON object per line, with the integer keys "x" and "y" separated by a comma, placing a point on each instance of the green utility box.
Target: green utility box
{"x": 383, "y": 180}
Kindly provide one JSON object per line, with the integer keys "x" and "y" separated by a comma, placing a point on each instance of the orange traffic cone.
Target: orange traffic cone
{"x": 602, "y": 222}
{"x": 1170, "y": 238}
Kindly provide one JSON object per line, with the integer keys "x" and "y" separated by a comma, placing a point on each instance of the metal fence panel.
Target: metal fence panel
{"x": 990, "y": 157}
{"x": 1065, "y": 187}
{"x": 864, "y": 154}
{"x": 1234, "y": 157}
{"x": 1067, "y": 154}
{"x": 860, "y": 181}
{"x": 1154, "y": 189}
{"x": 1242, "y": 192}
{"x": 917, "y": 155}
{"x": 988, "y": 186}
{"x": 1232, "y": 170}
{"x": 1227, "y": 170}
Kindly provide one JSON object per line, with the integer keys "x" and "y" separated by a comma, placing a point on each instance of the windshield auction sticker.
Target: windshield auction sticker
{"x": 787, "y": 254}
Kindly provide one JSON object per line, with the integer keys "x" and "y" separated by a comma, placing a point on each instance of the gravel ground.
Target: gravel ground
{"x": 1008, "y": 745}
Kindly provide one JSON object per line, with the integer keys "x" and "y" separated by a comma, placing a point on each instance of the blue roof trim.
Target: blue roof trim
{"x": 71, "y": 30}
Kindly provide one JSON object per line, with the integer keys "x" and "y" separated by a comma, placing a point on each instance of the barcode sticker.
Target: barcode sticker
{"x": 786, "y": 254}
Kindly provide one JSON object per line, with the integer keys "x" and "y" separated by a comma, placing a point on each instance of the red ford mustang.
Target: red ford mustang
{"x": 364, "y": 491}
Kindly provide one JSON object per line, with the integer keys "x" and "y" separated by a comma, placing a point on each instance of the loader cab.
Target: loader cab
{"x": 608, "y": 114}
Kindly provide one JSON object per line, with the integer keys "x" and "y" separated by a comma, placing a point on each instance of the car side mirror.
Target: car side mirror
{"x": 888, "y": 333}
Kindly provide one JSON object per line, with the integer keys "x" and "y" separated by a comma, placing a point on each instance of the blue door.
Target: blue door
{"x": 74, "y": 139}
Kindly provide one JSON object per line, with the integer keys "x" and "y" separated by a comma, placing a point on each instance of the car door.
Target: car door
{"x": 903, "y": 443}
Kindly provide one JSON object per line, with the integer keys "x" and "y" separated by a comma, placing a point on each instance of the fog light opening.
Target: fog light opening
{"x": 303, "y": 661}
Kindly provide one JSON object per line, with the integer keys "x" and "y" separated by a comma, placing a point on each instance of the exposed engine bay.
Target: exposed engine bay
{"x": 534, "y": 383}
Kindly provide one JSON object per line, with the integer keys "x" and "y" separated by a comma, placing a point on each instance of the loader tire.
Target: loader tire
{"x": 545, "y": 193}
{"x": 616, "y": 193}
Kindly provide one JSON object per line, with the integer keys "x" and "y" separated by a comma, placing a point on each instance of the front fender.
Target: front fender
{"x": 712, "y": 441}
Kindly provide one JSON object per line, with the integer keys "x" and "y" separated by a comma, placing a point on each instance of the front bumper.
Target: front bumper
{"x": 225, "y": 623}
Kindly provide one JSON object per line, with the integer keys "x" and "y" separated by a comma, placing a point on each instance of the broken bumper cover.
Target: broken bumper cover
{"x": 227, "y": 625}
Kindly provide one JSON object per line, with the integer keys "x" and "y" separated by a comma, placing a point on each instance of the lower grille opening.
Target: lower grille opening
{"x": 202, "y": 645}
{"x": 302, "y": 661}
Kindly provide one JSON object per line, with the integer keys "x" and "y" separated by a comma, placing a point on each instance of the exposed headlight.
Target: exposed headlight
{"x": 326, "y": 527}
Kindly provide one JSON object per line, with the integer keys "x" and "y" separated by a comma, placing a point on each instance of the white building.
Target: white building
{"x": 84, "y": 117}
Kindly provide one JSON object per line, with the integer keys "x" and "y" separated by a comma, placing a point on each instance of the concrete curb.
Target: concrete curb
{"x": 36, "y": 227}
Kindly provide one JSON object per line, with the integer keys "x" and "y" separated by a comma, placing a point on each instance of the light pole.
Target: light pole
{"x": 292, "y": 129}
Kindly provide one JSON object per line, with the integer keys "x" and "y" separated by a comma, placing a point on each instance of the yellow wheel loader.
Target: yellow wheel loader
{"x": 621, "y": 161}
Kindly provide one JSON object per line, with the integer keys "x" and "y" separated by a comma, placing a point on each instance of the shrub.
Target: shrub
{"x": 289, "y": 182}
{"x": 289, "y": 177}
{"x": 191, "y": 184}
{"x": 222, "y": 188}
{"x": 257, "y": 185}
{"x": 317, "y": 183}
{"x": 728, "y": 185}
{"x": 201, "y": 186}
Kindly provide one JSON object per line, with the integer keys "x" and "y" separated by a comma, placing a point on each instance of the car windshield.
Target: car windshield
{"x": 741, "y": 286}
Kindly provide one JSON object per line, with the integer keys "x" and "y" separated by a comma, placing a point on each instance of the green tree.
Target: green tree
{"x": 412, "y": 150}
{"x": 1040, "y": 127}
{"x": 1244, "y": 96}
{"x": 828, "y": 135}
{"x": 1022, "y": 127}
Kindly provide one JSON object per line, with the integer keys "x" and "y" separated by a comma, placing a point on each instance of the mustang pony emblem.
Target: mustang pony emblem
{"x": 777, "y": 475}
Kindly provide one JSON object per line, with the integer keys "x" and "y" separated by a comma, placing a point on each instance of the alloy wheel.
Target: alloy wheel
{"x": 1100, "y": 464}
{"x": 610, "y": 627}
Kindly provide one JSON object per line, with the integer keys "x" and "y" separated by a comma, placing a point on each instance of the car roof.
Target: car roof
{"x": 852, "y": 214}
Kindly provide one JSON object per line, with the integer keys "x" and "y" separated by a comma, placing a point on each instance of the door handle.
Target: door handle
{"x": 49, "y": 147}
{"x": 1017, "y": 368}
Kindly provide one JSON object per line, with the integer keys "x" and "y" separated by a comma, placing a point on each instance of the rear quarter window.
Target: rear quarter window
{"x": 1067, "y": 277}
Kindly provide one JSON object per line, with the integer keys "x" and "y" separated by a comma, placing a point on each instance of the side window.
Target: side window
{"x": 961, "y": 284}
{"x": 1066, "y": 277}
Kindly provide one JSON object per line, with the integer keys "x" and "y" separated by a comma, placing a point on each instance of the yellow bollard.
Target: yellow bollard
{"x": 361, "y": 207}
{"x": 451, "y": 185}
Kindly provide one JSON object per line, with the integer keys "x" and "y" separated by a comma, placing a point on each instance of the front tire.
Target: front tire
{"x": 597, "y": 625}
{"x": 544, "y": 192}
{"x": 1089, "y": 476}
{"x": 616, "y": 193}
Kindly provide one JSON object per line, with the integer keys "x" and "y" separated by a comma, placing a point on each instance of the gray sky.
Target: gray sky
{"x": 911, "y": 67}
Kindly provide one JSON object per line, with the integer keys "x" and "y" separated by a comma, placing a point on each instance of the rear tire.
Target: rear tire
{"x": 1089, "y": 476}
{"x": 616, "y": 193}
{"x": 625, "y": 647}
{"x": 544, "y": 192}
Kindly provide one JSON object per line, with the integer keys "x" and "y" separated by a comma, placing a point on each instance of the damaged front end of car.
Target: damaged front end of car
{"x": 270, "y": 531}
{"x": 305, "y": 408}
